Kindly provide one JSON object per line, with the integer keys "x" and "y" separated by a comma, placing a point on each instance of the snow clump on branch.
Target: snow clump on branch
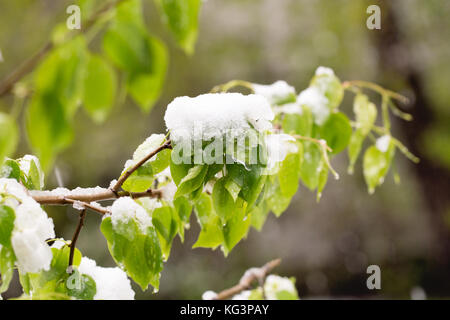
{"x": 32, "y": 227}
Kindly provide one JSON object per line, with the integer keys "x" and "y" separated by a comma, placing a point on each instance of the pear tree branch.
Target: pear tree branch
{"x": 251, "y": 275}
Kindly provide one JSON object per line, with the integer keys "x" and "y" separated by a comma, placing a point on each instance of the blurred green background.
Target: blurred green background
{"x": 327, "y": 246}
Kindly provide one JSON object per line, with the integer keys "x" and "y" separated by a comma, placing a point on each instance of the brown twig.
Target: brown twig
{"x": 246, "y": 281}
{"x": 85, "y": 198}
{"x": 47, "y": 198}
{"x": 28, "y": 65}
{"x": 129, "y": 172}
{"x": 75, "y": 238}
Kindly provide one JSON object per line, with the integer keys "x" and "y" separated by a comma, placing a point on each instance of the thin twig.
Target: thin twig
{"x": 129, "y": 172}
{"x": 321, "y": 143}
{"x": 47, "y": 198}
{"x": 75, "y": 238}
{"x": 376, "y": 88}
{"x": 246, "y": 281}
{"x": 28, "y": 65}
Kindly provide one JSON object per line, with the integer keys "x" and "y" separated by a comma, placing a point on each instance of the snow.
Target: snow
{"x": 59, "y": 243}
{"x": 25, "y": 165}
{"x": 111, "y": 283}
{"x": 324, "y": 71}
{"x": 150, "y": 144}
{"x": 112, "y": 183}
{"x": 275, "y": 92}
{"x": 275, "y": 284}
{"x": 313, "y": 98}
{"x": 256, "y": 272}
{"x": 125, "y": 208}
{"x": 77, "y": 205}
{"x": 144, "y": 149}
{"x": 149, "y": 204}
{"x": 244, "y": 295}
{"x": 33, "y": 254}
{"x": 31, "y": 228}
{"x": 278, "y": 146}
{"x": 209, "y": 295}
{"x": 75, "y": 193}
{"x": 168, "y": 191}
{"x": 213, "y": 115}
{"x": 289, "y": 108}
{"x": 383, "y": 142}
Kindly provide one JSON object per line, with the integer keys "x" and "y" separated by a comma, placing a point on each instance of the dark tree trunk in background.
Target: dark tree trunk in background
{"x": 395, "y": 60}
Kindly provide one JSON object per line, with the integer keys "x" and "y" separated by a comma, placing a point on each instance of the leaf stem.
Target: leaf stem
{"x": 75, "y": 238}
{"x": 232, "y": 84}
{"x": 374, "y": 87}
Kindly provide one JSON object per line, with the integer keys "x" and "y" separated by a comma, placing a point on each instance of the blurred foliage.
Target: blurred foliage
{"x": 326, "y": 247}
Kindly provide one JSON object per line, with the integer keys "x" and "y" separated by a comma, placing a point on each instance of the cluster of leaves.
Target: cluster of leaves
{"x": 228, "y": 197}
{"x": 59, "y": 282}
{"x": 71, "y": 75}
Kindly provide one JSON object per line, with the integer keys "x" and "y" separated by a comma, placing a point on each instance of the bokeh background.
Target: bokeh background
{"x": 327, "y": 246}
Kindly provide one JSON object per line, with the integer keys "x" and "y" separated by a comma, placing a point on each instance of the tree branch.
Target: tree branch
{"x": 49, "y": 198}
{"x": 247, "y": 279}
{"x": 129, "y": 172}
{"x": 75, "y": 238}
{"x": 28, "y": 65}
{"x": 87, "y": 195}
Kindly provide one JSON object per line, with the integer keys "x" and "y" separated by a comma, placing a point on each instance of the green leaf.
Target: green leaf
{"x": 376, "y": 164}
{"x": 323, "y": 178}
{"x": 249, "y": 178}
{"x": 31, "y": 175}
{"x": 336, "y": 131}
{"x": 144, "y": 58}
{"x": 192, "y": 181}
{"x": 236, "y": 227}
{"x": 183, "y": 209}
{"x": 311, "y": 165}
{"x": 354, "y": 148}
{"x": 233, "y": 188}
{"x": 165, "y": 220}
{"x": 300, "y": 124}
{"x": 276, "y": 200}
{"x": 181, "y": 17}
{"x": 286, "y": 295}
{"x": 138, "y": 253}
{"x": 145, "y": 88}
{"x": 100, "y": 85}
{"x": 179, "y": 171}
{"x": 54, "y": 280}
{"x": 259, "y": 215}
{"x": 142, "y": 179}
{"x": 48, "y": 127}
{"x": 366, "y": 113}
{"x": 223, "y": 201}
{"x": 289, "y": 173}
{"x": 58, "y": 93}
{"x": 9, "y": 136}
{"x": 7, "y": 217}
{"x": 84, "y": 287}
{"x": 211, "y": 231}
{"x": 10, "y": 170}
{"x": 7, "y": 260}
